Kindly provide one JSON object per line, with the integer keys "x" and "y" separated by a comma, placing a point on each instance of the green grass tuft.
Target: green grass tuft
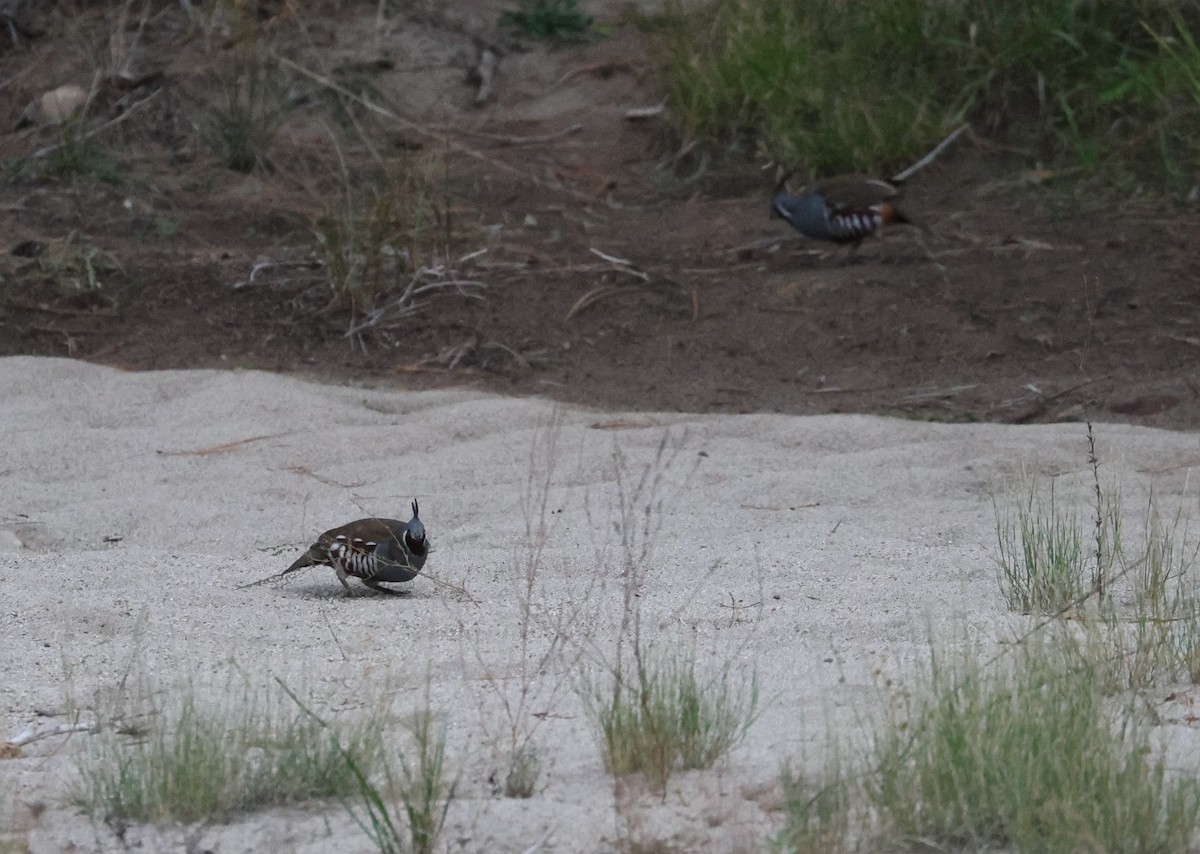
{"x": 201, "y": 761}
{"x": 1041, "y": 555}
{"x": 1141, "y": 626}
{"x": 385, "y": 240}
{"x": 1030, "y": 757}
{"x": 249, "y": 110}
{"x": 835, "y": 87}
{"x": 665, "y": 719}
{"x": 546, "y": 20}
{"x": 76, "y": 154}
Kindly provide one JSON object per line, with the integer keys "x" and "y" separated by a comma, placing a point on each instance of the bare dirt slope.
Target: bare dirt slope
{"x": 1019, "y": 304}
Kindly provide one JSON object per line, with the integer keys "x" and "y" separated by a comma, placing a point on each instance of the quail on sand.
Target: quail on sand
{"x": 844, "y": 209}
{"x": 372, "y": 550}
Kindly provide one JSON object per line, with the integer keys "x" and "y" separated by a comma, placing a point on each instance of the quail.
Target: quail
{"x": 372, "y": 550}
{"x": 844, "y": 209}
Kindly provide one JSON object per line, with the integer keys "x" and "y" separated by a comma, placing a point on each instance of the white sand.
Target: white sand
{"x": 845, "y": 542}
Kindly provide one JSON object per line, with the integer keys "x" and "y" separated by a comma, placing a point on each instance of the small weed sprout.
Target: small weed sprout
{"x": 523, "y": 771}
{"x": 74, "y": 267}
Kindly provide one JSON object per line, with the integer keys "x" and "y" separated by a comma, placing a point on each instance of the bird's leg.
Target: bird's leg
{"x": 342, "y": 578}
{"x": 375, "y": 585}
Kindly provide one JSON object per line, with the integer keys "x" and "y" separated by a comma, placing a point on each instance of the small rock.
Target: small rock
{"x": 59, "y": 106}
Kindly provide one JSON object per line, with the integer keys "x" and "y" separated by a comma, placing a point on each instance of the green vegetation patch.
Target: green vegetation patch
{"x": 665, "y": 718}
{"x": 839, "y": 87}
{"x": 194, "y": 761}
{"x": 1031, "y": 756}
{"x": 548, "y": 20}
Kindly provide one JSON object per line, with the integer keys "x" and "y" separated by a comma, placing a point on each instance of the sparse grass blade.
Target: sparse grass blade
{"x": 378, "y": 824}
{"x": 423, "y": 789}
{"x": 816, "y": 814}
{"x": 1152, "y": 638}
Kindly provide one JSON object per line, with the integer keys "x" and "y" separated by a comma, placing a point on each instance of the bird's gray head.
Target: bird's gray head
{"x": 414, "y": 534}
{"x": 401, "y": 558}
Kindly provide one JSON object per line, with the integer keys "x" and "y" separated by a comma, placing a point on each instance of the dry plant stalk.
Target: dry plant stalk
{"x": 535, "y": 695}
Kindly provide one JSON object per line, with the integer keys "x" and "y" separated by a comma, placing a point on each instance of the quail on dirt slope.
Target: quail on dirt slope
{"x": 372, "y": 550}
{"x": 844, "y": 209}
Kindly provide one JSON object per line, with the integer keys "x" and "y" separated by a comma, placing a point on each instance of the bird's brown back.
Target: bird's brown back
{"x": 367, "y": 530}
{"x": 855, "y": 191}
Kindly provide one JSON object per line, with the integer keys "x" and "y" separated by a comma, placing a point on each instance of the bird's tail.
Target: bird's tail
{"x": 892, "y": 214}
{"x": 317, "y": 553}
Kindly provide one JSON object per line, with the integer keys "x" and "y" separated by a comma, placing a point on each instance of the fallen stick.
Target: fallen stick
{"x": 32, "y": 734}
{"x": 483, "y": 74}
{"x": 621, "y": 263}
{"x": 933, "y": 155}
{"x": 634, "y": 114}
{"x": 506, "y": 139}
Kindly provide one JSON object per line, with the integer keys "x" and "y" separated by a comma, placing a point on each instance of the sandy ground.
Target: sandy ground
{"x": 820, "y": 552}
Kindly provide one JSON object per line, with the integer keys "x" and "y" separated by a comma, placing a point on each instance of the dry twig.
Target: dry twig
{"x": 933, "y": 155}
{"x": 220, "y": 449}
